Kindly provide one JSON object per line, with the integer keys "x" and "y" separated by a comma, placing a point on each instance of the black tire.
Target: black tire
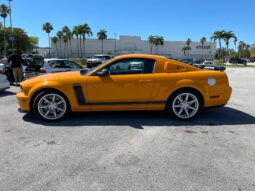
{"x": 173, "y": 99}
{"x": 38, "y": 100}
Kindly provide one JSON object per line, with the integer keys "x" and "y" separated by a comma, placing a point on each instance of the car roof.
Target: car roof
{"x": 150, "y": 56}
{"x": 52, "y": 59}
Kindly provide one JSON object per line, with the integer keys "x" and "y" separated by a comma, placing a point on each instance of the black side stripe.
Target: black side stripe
{"x": 127, "y": 103}
{"x": 79, "y": 95}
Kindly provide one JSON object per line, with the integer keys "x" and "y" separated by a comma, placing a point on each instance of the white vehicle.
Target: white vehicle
{"x": 52, "y": 66}
{"x": 4, "y": 83}
{"x": 208, "y": 62}
{"x": 97, "y": 60}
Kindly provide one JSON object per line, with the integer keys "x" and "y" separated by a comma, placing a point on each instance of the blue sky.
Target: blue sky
{"x": 172, "y": 19}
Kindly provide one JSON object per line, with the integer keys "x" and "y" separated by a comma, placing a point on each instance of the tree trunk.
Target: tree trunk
{"x": 70, "y": 46}
{"x": 78, "y": 51}
{"x": 49, "y": 43}
{"x": 151, "y": 49}
{"x": 4, "y": 39}
{"x": 60, "y": 48}
{"x": 102, "y": 46}
{"x": 84, "y": 47}
{"x": 80, "y": 46}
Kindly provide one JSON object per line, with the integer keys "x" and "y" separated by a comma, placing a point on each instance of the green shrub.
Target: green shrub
{"x": 81, "y": 61}
{"x": 219, "y": 62}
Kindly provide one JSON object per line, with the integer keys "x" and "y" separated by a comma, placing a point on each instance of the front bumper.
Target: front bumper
{"x": 23, "y": 101}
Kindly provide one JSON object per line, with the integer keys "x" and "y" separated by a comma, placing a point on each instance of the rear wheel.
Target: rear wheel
{"x": 51, "y": 106}
{"x": 184, "y": 105}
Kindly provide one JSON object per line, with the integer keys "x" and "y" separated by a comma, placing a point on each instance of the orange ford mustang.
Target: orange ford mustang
{"x": 128, "y": 82}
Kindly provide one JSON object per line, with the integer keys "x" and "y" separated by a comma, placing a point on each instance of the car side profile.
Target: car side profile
{"x": 128, "y": 82}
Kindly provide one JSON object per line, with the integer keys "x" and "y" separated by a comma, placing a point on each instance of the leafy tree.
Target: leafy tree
{"x": 60, "y": 37}
{"x": 218, "y": 35}
{"x": 4, "y": 12}
{"x": 203, "y": 41}
{"x": 33, "y": 43}
{"x": 227, "y": 36}
{"x": 55, "y": 41}
{"x": 86, "y": 32}
{"x": 188, "y": 42}
{"x": 102, "y": 35}
{"x": 47, "y": 27}
{"x": 22, "y": 41}
{"x": 151, "y": 40}
{"x": 75, "y": 33}
{"x": 159, "y": 41}
{"x": 67, "y": 37}
{"x": 243, "y": 50}
{"x": 185, "y": 49}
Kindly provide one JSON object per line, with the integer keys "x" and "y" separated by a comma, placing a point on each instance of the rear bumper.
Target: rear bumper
{"x": 220, "y": 100}
{"x": 23, "y": 101}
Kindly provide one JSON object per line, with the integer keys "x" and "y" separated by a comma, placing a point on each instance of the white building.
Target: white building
{"x": 134, "y": 44}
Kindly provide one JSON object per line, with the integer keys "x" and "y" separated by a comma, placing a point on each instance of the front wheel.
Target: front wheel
{"x": 51, "y": 106}
{"x": 184, "y": 105}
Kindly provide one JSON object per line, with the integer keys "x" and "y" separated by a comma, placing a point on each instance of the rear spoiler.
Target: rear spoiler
{"x": 211, "y": 67}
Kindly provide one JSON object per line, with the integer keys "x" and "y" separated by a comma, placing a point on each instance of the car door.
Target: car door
{"x": 128, "y": 81}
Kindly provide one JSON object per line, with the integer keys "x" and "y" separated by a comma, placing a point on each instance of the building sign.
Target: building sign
{"x": 203, "y": 47}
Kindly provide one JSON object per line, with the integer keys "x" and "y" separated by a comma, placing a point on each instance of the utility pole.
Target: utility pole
{"x": 12, "y": 37}
{"x": 115, "y": 46}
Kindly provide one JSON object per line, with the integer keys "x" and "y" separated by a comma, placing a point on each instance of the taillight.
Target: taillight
{"x": 42, "y": 71}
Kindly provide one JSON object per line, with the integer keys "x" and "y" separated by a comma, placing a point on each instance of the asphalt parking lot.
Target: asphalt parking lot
{"x": 127, "y": 151}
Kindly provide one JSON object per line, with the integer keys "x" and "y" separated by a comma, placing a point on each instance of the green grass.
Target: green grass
{"x": 240, "y": 66}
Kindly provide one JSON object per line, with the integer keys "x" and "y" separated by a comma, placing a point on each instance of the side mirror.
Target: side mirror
{"x": 84, "y": 71}
{"x": 104, "y": 72}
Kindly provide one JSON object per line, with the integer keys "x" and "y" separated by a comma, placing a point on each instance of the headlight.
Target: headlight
{"x": 212, "y": 81}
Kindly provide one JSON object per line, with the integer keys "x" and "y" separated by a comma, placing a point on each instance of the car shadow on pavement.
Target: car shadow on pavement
{"x": 6, "y": 93}
{"x": 138, "y": 119}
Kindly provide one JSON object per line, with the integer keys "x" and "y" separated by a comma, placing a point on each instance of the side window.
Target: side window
{"x": 132, "y": 66}
{"x": 73, "y": 65}
{"x": 56, "y": 64}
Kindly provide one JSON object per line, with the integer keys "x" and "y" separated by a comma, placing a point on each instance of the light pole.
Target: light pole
{"x": 115, "y": 47}
{"x": 12, "y": 37}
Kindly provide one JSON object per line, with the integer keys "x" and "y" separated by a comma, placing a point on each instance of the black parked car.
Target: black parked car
{"x": 238, "y": 61}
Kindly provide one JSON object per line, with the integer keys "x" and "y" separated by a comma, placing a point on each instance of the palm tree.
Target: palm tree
{"x": 47, "y": 27}
{"x": 227, "y": 36}
{"x": 151, "y": 40}
{"x": 76, "y": 34}
{"x": 60, "y": 36}
{"x": 4, "y": 11}
{"x": 185, "y": 49}
{"x": 65, "y": 40}
{"x": 79, "y": 30}
{"x": 188, "y": 42}
{"x": 69, "y": 37}
{"x": 235, "y": 41}
{"x": 218, "y": 35}
{"x": 55, "y": 40}
{"x": 159, "y": 41}
{"x": 203, "y": 41}
{"x": 102, "y": 35}
{"x": 86, "y": 31}
{"x": 66, "y": 32}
